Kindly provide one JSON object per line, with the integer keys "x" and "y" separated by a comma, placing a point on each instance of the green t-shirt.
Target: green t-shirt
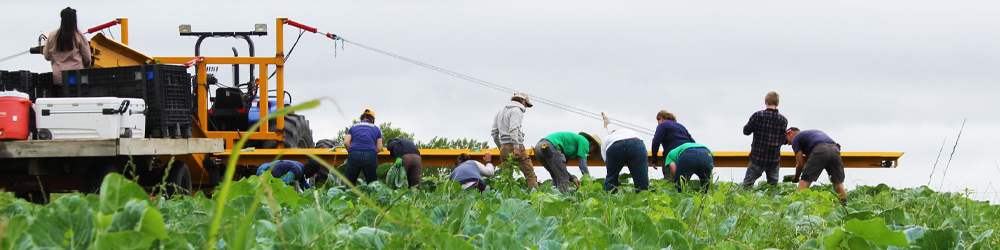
{"x": 674, "y": 154}
{"x": 571, "y": 144}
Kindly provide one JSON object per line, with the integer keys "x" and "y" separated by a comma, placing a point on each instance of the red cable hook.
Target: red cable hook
{"x": 102, "y": 26}
{"x": 194, "y": 61}
{"x": 311, "y": 29}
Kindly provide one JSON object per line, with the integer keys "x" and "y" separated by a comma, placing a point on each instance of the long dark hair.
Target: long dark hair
{"x": 67, "y": 30}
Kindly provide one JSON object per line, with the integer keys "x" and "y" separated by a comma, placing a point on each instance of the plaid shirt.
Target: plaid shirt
{"x": 768, "y": 129}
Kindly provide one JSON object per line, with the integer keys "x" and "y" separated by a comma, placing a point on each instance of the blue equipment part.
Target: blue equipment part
{"x": 254, "y": 113}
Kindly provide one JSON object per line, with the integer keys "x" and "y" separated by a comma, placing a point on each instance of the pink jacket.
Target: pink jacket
{"x": 77, "y": 58}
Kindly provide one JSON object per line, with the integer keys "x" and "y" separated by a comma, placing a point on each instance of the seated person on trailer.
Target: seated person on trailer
{"x": 291, "y": 171}
{"x": 470, "y": 172}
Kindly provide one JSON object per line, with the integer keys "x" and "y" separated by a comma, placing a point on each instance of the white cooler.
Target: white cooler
{"x": 90, "y": 118}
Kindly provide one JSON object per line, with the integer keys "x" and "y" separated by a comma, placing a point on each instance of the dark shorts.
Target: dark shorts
{"x": 824, "y": 157}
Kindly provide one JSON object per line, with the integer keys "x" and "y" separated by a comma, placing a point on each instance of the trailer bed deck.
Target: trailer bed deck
{"x": 109, "y": 147}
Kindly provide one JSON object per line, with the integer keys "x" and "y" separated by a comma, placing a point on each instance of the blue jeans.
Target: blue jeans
{"x": 358, "y": 161}
{"x": 754, "y": 171}
{"x": 695, "y": 161}
{"x": 632, "y": 153}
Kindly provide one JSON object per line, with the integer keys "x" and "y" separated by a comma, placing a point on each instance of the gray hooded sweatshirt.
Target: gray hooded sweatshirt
{"x": 507, "y": 125}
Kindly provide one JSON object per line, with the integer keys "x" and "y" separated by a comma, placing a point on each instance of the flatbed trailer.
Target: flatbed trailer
{"x": 446, "y": 157}
{"x": 37, "y": 167}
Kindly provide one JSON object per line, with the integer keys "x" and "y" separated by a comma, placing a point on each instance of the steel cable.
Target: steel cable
{"x": 15, "y": 55}
{"x": 575, "y": 110}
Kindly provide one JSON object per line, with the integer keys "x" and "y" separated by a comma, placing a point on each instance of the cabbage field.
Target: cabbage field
{"x": 264, "y": 213}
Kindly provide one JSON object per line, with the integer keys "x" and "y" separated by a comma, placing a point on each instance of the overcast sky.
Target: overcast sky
{"x": 896, "y": 76}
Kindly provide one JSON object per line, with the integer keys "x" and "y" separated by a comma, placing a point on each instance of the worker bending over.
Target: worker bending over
{"x": 554, "y": 150}
{"x": 623, "y": 147}
{"x": 408, "y": 155}
{"x": 690, "y": 159}
{"x": 363, "y": 141}
{"x": 470, "y": 172}
{"x": 670, "y": 135}
{"x": 823, "y": 153}
{"x": 291, "y": 171}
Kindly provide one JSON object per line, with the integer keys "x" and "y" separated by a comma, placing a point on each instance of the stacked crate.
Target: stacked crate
{"x": 20, "y": 81}
{"x": 165, "y": 88}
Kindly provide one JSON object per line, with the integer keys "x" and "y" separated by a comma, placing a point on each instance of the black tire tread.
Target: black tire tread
{"x": 328, "y": 143}
{"x": 95, "y": 175}
{"x": 178, "y": 180}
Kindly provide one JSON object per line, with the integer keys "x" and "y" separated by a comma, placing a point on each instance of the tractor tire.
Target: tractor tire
{"x": 95, "y": 175}
{"x": 328, "y": 143}
{"x": 297, "y": 133}
{"x": 178, "y": 181}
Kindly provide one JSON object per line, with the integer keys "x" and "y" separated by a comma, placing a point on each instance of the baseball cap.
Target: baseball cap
{"x": 369, "y": 112}
{"x": 524, "y": 96}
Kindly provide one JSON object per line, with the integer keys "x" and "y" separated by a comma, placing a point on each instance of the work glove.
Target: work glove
{"x": 399, "y": 160}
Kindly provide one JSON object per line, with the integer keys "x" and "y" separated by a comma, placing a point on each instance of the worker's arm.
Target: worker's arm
{"x": 485, "y": 170}
{"x": 657, "y": 140}
{"x": 50, "y": 46}
{"x": 84, "y": 47}
{"x": 673, "y": 168}
{"x": 800, "y": 162}
{"x": 514, "y": 129}
{"x": 751, "y": 125}
{"x": 378, "y": 145}
{"x": 302, "y": 182}
{"x": 583, "y": 165}
{"x": 347, "y": 141}
{"x": 495, "y": 132}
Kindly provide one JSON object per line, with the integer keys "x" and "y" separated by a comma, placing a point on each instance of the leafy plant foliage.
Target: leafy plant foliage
{"x": 264, "y": 213}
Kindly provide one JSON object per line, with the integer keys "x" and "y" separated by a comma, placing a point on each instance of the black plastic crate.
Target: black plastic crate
{"x": 43, "y": 86}
{"x": 165, "y": 88}
{"x": 21, "y": 81}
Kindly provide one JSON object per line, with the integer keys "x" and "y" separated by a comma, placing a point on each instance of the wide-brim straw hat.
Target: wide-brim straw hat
{"x": 594, "y": 140}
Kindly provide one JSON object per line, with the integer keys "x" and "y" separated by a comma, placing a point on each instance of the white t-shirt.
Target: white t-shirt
{"x": 615, "y": 136}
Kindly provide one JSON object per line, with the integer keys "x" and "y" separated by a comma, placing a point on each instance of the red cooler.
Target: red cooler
{"x": 14, "y": 107}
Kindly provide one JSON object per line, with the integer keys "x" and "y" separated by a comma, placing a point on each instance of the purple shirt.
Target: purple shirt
{"x": 364, "y": 135}
{"x": 669, "y": 134}
{"x": 807, "y": 139}
{"x": 768, "y": 129}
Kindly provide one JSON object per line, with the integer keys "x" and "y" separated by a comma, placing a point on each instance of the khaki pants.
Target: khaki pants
{"x": 524, "y": 163}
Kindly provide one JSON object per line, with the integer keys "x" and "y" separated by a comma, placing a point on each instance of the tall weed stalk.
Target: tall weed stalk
{"x": 946, "y": 166}
{"x": 936, "y": 160}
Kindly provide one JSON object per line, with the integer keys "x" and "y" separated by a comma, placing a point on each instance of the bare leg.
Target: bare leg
{"x": 839, "y": 187}
{"x": 805, "y": 184}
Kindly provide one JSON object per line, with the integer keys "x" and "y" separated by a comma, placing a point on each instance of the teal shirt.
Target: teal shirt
{"x": 674, "y": 154}
{"x": 571, "y": 144}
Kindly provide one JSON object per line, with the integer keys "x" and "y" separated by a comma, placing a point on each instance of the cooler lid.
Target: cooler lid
{"x": 13, "y": 94}
{"x": 88, "y": 100}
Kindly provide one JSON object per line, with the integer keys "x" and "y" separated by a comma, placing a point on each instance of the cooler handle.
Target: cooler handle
{"x": 121, "y": 109}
